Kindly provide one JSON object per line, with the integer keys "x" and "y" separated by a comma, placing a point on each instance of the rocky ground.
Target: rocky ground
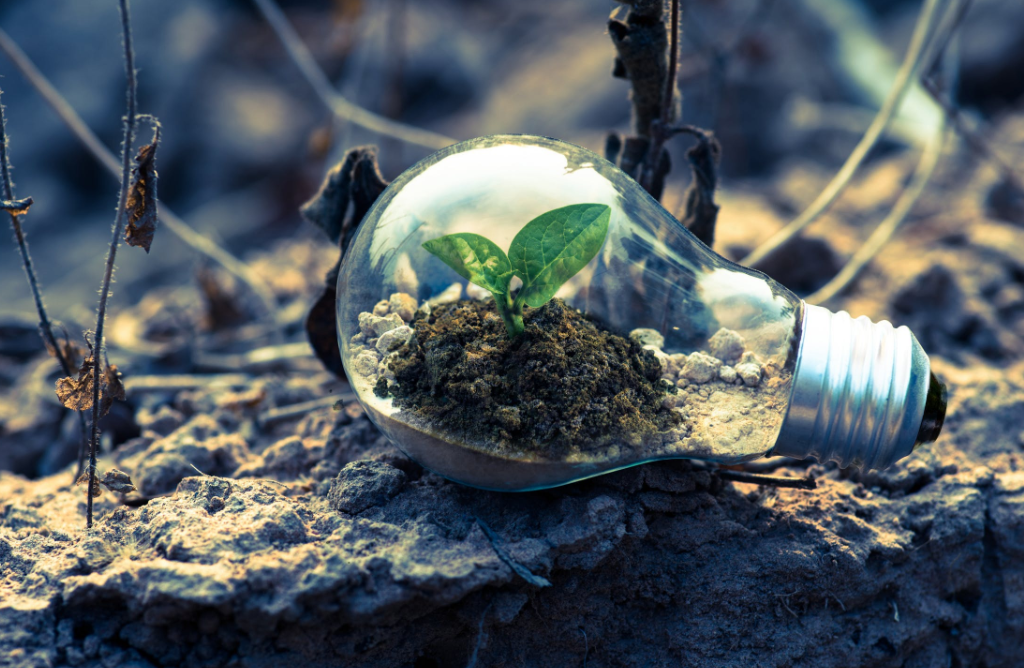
{"x": 330, "y": 548}
{"x": 273, "y": 523}
{"x": 256, "y": 539}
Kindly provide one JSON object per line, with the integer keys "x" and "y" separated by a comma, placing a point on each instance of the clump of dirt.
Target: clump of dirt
{"x": 565, "y": 387}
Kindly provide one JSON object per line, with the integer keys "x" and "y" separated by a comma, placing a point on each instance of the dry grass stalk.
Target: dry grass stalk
{"x": 338, "y": 105}
{"x": 175, "y": 224}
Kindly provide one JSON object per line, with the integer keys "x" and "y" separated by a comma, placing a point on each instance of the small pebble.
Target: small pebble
{"x": 394, "y": 338}
{"x": 382, "y": 308}
{"x": 701, "y": 368}
{"x": 728, "y": 374}
{"x": 648, "y": 337}
{"x": 365, "y": 318}
{"x": 750, "y": 373}
{"x": 675, "y": 363}
{"x": 376, "y": 325}
{"x": 403, "y": 305}
{"x": 662, "y": 357}
{"x": 726, "y": 345}
{"x": 673, "y": 400}
{"x": 365, "y": 363}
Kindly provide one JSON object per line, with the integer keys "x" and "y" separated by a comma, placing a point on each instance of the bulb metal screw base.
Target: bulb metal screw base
{"x": 860, "y": 393}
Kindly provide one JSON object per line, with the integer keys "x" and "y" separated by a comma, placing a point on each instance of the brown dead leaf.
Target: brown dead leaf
{"x": 16, "y": 207}
{"x": 118, "y": 482}
{"x": 112, "y": 389}
{"x": 76, "y": 393}
{"x": 141, "y": 202}
{"x": 84, "y": 478}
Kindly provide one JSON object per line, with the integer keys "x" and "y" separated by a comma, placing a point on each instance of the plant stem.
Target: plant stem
{"x": 33, "y": 282}
{"x": 126, "y": 149}
{"x": 659, "y": 128}
{"x": 511, "y": 313}
{"x": 198, "y": 242}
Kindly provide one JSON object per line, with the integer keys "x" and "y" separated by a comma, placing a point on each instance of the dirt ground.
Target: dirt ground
{"x": 272, "y": 527}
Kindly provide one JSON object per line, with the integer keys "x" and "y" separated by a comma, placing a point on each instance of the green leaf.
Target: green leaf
{"x": 554, "y": 246}
{"x": 475, "y": 258}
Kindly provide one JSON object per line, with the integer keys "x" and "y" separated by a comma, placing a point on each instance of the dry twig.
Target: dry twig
{"x": 975, "y": 141}
{"x": 173, "y": 383}
{"x": 926, "y": 28}
{"x": 108, "y": 273}
{"x": 26, "y": 259}
{"x": 88, "y": 138}
{"x": 887, "y": 228}
{"x": 807, "y": 483}
{"x": 338, "y": 105}
{"x": 252, "y": 360}
{"x": 273, "y": 415}
{"x": 938, "y": 49}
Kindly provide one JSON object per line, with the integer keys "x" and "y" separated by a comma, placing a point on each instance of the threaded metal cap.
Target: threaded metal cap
{"x": 860, "y": 391}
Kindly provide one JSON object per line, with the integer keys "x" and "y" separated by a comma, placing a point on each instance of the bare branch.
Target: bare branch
{"x": 331, "y": 99}
{"x": 33, "y": 282}
{"x": 108, "y": 273}
{"x": 26, "y": 258}
{"x": 274, "y": 415}
{"x": 176, "y": 225}
{"x": 887, "y": 228}
{"x": 927, "y": 23}
{"x": 975, "y": 141}
{"x": 939, "y": 49}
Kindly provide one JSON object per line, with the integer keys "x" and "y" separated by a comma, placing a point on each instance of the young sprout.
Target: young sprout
{"x": 546, "y": 253}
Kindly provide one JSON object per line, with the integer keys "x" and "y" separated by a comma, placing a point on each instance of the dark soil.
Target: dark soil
{"x": 566, "y": 387}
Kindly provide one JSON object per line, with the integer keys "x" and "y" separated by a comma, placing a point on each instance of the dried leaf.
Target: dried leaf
{"x": 76, "y": 393}
{"x": 348, "y": 192}
{"x": 701, "y": 210}
{"x": 141, "y": 202}
{"x": 112, "y": 389}
{"x": 84, "y": 478}
{"x": 322, "y": 331}
{"x": 16, "y": 207}
{"x": 118, "y": 482}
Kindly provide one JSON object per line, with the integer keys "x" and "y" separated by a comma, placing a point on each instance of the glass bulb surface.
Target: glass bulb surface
{"x": 722, "y": 339}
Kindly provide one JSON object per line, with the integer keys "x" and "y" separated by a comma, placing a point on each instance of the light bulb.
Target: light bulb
{"x": 657, "y": 349}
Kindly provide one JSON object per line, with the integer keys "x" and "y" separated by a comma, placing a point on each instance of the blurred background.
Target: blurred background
{"x": 787, "y": 85}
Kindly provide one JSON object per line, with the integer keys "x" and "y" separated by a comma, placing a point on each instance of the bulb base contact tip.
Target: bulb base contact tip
{"x": 863, "y": 393}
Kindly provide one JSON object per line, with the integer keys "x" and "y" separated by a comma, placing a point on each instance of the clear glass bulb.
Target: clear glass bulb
{"x": 742, "y": 367}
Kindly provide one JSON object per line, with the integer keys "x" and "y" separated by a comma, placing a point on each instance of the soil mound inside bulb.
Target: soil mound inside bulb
{"x": 566, "y": 387}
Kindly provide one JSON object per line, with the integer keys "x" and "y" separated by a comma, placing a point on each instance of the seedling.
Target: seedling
{"x": 547, "y": 252}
